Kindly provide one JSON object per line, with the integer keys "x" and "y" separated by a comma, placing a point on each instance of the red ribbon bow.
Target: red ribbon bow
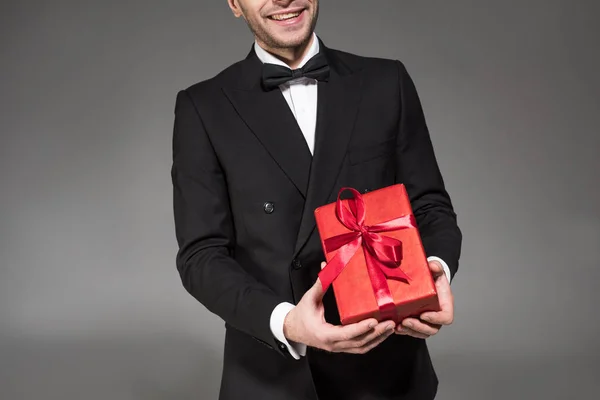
{"x": 383, "y": 254}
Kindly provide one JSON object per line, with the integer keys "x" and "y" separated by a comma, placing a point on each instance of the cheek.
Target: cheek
{"x": 257, "y": 22}
{"x": 263, "y": 7}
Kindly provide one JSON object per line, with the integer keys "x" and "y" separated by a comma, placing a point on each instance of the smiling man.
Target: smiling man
{"x": 255, "y": 150}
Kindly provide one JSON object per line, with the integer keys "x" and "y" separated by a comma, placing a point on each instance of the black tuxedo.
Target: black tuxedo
{"x": 245, "y": 188}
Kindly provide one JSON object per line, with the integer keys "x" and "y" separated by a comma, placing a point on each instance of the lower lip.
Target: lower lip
{"x": 291, "y": 21}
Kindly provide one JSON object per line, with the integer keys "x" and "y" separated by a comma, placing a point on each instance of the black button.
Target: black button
{"x": 269, "y": 207}
{"x": 296, "y": 263}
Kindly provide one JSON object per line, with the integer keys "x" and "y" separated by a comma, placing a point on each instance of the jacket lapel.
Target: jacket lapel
{"x": 270, "y": 119}
{"x": 337, "y": 107}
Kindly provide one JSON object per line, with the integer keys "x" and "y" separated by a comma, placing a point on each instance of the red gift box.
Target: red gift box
{"x": 376, "y": 263}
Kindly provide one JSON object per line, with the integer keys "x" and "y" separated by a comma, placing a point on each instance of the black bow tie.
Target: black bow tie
{"x": 274, "y": 75}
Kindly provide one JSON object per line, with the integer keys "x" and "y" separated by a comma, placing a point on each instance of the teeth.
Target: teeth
{"x": 282, "y": 17}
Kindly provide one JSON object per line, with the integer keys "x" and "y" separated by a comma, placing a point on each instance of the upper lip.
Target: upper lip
{"x": 290, "y": 11}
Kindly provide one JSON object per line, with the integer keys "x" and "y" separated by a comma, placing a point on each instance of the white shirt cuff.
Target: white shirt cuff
{"x": 444, "y": 265}
{"x": 276, "y": 323}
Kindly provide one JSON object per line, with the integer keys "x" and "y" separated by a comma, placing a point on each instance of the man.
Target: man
{"x": 255, "y": 150}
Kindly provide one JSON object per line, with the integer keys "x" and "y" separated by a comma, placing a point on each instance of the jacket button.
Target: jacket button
{"x": 269, "y": 207}
{"x": 296, "y": 264}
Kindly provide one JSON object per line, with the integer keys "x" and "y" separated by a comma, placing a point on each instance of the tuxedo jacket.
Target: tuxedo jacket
{"x": 245, "y": 189}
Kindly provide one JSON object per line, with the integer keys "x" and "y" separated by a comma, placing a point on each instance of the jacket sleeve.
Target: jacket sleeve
{"x": 205, "y": 232}
{"x": 417, "y": 168}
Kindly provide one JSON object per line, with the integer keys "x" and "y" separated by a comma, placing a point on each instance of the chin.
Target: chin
{"x": 290, "y": 39}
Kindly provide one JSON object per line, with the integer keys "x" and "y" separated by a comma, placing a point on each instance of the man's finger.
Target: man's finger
{"x": 446, "y": 315}
{"x": 443, "y": 286}
{"x": 400, "y": 330}
{"x": 362, "y": 340}
{"x": 413, "y": 333}
{"x": 349, "y": 332}
{"x": 436, "y": 268}
{"x": 316, "y": 292}
{"x": 420, "y": 326}
{"x": 373, "y": 343}
{"x": 437, "y": 318}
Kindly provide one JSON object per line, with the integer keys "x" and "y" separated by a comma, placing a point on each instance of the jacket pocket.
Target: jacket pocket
{"x": 357, "y": 155}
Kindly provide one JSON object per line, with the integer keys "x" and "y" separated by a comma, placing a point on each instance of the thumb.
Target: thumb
{"x": 316, "y": 292}
{"x": 436, "y": 268}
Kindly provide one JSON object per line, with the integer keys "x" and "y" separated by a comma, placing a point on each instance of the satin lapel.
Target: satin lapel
{"x": 269, "y": 117}
{"x": 337, "y": 107}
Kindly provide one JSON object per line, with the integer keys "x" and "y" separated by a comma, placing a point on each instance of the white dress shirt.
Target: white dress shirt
{"x": 301, "y": 96}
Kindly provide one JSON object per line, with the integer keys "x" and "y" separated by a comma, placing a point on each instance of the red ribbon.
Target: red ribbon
{"x": 383, "y": 254}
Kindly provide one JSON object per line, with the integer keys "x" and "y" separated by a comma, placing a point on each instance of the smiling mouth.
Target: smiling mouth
{"x": 285, "y": 17}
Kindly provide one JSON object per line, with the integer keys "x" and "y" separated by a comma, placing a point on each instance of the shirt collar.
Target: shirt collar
{"x": 267, "y": 57}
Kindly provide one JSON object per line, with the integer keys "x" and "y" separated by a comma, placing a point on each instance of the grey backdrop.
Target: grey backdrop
{"x": 91, "y": 306}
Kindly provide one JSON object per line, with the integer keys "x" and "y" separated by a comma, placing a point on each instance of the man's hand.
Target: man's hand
{"x": 306, "y": 324}
{"x": 429, "y": 323}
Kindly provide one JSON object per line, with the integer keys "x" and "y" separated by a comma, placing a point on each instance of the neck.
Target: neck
{"x": 289, "y": 55}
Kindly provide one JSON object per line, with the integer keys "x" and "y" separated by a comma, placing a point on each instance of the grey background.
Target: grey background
{"x": 91, "y": 306}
